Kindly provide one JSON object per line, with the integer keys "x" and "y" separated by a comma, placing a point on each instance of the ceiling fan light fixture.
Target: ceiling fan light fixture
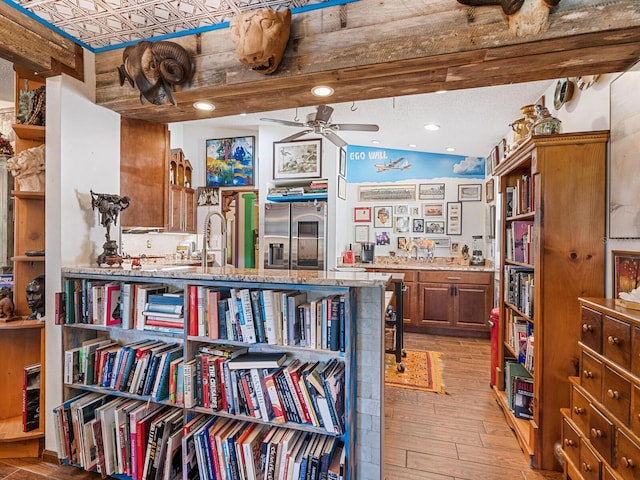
{"x": 204, "y": 106}
{"x": 432, "y": 127}
{"x": 322, "y": 91}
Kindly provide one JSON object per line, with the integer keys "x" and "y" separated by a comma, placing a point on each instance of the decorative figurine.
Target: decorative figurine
{"x": 35, "y": 297}
{"x": 28, "y": 168}
{"x": 6, "y": 303}
{"x": 109, "y": 206}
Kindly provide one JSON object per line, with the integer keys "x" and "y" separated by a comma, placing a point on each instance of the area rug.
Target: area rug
{"x": 422, "y": 371}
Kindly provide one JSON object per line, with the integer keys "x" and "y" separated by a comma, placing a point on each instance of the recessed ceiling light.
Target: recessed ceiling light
{"x": 450, "y": 149}
{"x": 322, "y": 91}
{"x": 375, "y": 142}
{"x": 206, "y": 106}
{"x": 440, "y": 91}
{"x": 243, "y": 114}
{"x": 412, "y": 145}
{"x": 432, "y": 127}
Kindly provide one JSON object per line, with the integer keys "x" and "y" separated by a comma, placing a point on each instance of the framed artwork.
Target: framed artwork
{"x": 433, "y": 209}
{"x": 491, "y": 221}
{"x": 362, "y": 214}
{"x": 431, "y": 191}
{"x": 402, "y": 243}
{"x": 489, "y": 190}
{"x": 297, "y": 159}
{"x": 401, "y": 210}
{"x": 470, "y": 192}
{"x": 342, "y": 187}
{"x": 415, "y": 211}
{"x": 382, "y": 238}
{"x": 434, "y": 227}
{"x": 624, "y": 208}
{"x": 207, "y": 196}
{"x": 361, "y": 233}
{"x": 382, "y": 217}
{"x": 418, "y": 225}
{"x": 626, "y": 271}
{"x": 342, "y": 163}
{"x": 442, "y": 242}
{"x": 454, "y": 218}
{"x": 230, "y": 162}
{"x": 402, "y": 224}
{"x": 367, "y": 193}
{"x": 454, "y": 248}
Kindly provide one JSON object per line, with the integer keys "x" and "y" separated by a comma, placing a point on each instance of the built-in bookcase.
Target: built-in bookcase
{"x": 309, "y": 411}
{"x": 552, "y": 194}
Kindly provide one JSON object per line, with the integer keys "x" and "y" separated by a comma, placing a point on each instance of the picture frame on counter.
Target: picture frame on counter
{"x": 342, "y": 187}
{"x": 454, "y": 248}
{"x": 362, "y": 214}
{"x": 361, "y": 233}
{"x": 297, "y": 159}
{"x": 230, "y": 162}
{"x": 368, "y": 193}
{"x": 469, "y": 192}
{"x": 431, "y": 191}
{"x": 402, "y": 243}
{"x": 626, "y": 271}
{"x": 454, "y": 218}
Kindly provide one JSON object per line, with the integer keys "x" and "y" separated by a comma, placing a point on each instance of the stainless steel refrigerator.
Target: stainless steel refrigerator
{"x": 294, "y": 235}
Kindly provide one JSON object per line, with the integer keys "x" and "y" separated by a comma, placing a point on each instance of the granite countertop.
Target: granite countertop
{"x": 404, "y": 263}
{"x": 231, "y": 274}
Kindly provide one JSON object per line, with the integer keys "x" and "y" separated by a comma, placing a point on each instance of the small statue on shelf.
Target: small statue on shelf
{"x": 35, "y": 297}
{"x": 6, "y": 303}
{"x": 109, "y": 206}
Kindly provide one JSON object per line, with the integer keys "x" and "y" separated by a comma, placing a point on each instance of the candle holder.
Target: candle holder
{"x": 109, "y": 207}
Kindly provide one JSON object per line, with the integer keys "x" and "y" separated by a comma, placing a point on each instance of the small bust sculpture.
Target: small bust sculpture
{"x": 6, "y": 303}
{"x": 35, "y": 297}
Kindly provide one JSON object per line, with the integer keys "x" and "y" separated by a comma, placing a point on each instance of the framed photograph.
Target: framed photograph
{"x": 433, "y": 209}
{"x": 402, "y": 224}
{"x": 489, "y": 190}
{"x": 626, "y": 271}
{"x": 470, "y": 192}
{"x": 454, "y": 218}
{"x": 418, "y": 225}
{"x": 342, "y": 187}
{"x": 361, "y": 233}
{"x": 442, "y": 242}
{"x": 491, "y": 222}
{"x": 431, "y": 191}
{"x": 297, "y": 159}
{"x": 230, "y": 162}
{"x": 368, "y": 193}
{"x": 401, "y": 210}
{"x": 415, "y": 211}
{"x": 382, "y": 238}
{"x": 402, "y": 243}
{"x": 362, "y": 214}
{"x": 342, "y": 163}
{"x": 382, "y": 217}
{"x": 434, "y": 227}
{"x": 454, "y": 248}
{"x": 207, "y": 196}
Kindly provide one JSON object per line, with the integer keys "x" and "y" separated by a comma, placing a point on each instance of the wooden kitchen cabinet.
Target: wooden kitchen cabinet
{"x": 453, "y": 302}
{"x": 182, "y": 198}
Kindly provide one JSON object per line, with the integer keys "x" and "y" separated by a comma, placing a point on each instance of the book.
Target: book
{"x": 523, "y": 397}
{"x": 112, "y": 315}
{"x": 226, "y": 351}
{"x": 142, "y": 291}
{"x": 247, "y": 323}
{"x": 270, "y": 315}
{"x": 257, "y": 314}
{"x": 31, "y": 397}
{"x": 257, "y": 360}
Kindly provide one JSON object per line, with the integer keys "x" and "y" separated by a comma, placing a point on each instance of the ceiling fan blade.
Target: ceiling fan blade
{"x": 296, "y": 135}
{"x": 362, "y": 127}
{"x": 335, "y": 139}
{"x": 284, "y": 122}
{"x": 324, "y": 113}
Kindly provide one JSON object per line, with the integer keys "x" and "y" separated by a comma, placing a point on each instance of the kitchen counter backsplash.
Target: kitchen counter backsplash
{"x": 408, "y": 263}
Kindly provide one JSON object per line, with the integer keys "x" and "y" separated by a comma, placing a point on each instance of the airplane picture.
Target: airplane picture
{"x": 398, "y": 164}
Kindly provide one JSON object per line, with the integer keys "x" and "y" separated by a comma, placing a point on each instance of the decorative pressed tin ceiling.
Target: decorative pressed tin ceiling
{"x": 107, "y": 24}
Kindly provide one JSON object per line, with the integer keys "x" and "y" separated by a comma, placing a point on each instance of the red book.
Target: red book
{"x": 295, "y": 378}
{"x": 163, "y": 322}
{"x": 193, "y": 310}
{"x": 112, "y": 314}
{"x": 221, "y": 385}
{"x": 204, "y": 380}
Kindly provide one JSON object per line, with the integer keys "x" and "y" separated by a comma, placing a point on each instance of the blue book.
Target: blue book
{"x": 162, "y": 392}
{"x": 166, "y": 299}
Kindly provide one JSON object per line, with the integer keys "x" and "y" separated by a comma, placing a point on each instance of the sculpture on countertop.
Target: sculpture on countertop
{"x": 260, "y": 38}
{"x": 35, "y": 297}
{"x": 6, "y": 303}
{"x": 28, "y": 168}
{"x": 509, "y": 7}
{"x": 109, "y": 206}
{"x": 154, "y": 68}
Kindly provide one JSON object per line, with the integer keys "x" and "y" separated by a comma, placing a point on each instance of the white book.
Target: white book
{"x": 189, "y": 370}
{"x": 97, "y": 295}
{"x": 126, "y": 307}
{"x": 107, "y": 418}
{"x": 201, "y": 303}
{"x": 247, "y": 322}
{"x": 324, "y": 344}
{"x": 232, "y": 332}
{"x": 260, "y": 395}
{"x": 269, "y": 315}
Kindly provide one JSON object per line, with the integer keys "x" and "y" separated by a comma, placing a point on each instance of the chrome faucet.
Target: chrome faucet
{"x": 206, "y": 237}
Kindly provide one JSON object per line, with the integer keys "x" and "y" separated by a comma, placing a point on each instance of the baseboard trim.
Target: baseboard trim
{"x": 50, "y": 456}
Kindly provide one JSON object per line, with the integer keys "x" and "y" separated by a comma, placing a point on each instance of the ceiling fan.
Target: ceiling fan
{"x": 318, "y": 122}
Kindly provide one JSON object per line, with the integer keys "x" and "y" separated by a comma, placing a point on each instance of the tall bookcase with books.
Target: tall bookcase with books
{"x": 200, "y": 374}
{"x": 552, "y": 251}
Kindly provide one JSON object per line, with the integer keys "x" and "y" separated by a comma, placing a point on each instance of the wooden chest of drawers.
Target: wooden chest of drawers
{"x": 601, "y": 428}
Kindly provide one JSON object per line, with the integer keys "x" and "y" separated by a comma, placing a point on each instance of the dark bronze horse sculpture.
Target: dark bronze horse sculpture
{"x": 154, "y": 67}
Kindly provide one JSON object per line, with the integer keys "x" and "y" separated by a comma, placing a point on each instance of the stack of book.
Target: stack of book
{"x": 164, "y": 312}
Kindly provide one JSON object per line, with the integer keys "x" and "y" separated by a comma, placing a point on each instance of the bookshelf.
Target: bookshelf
{"x": 551, "y": 235}
{"x": 314, "y": 286}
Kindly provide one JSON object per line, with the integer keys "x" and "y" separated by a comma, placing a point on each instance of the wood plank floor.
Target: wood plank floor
{"x": 459, "y": 436}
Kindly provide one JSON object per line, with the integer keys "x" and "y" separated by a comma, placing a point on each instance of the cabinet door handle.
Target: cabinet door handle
{"x": 587, "y": 328}
{"x": 454, "y": 278}
{"x": 587, "y": 374}
{"x": 613, "y": 340}
{"x": 613, "y": 394}
{"x": 596, "y": 433}
{"x": 627, "y": 462}
{"x": 578, "y": 410}
{"x": 569, "y": 443}
{"x": 586, "y": 467}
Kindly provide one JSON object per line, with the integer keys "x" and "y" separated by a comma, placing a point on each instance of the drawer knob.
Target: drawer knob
{"x": 578, "y": 410}
{"x": 613, "y": 340}
{"x": 586, "y": 467}
{"x": 627, "y": 462}
{"x": 569, "y": 443}
{"x": 613, "y": 394}
{"x": 587, "y": 328}
{"x": 596, "y": 433}
{"x": 587, "y": 374}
